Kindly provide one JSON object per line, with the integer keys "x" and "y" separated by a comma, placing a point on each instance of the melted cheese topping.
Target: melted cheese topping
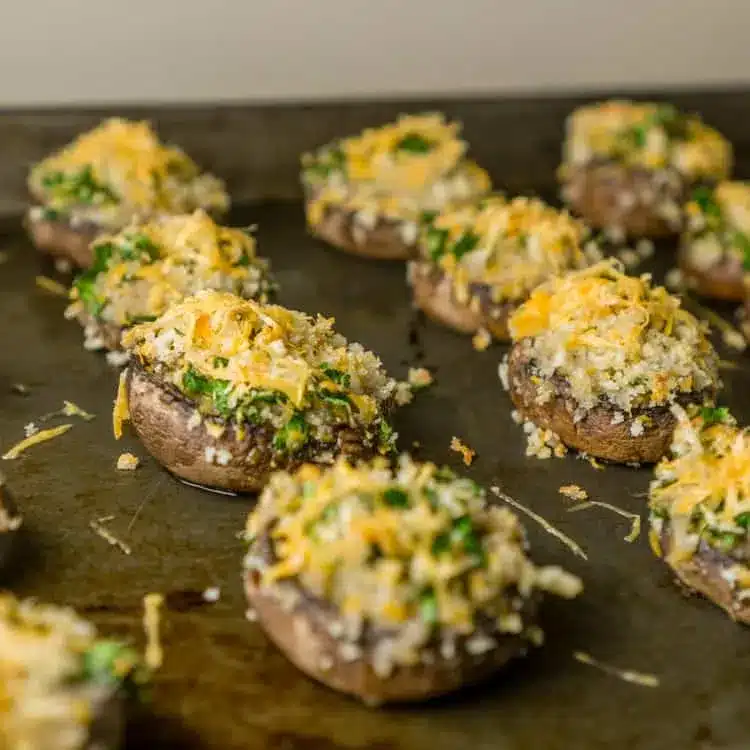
{"x": 511, "y": 246}
{"x": 149, "y": 266}
{"x": 703, "y": 489}
{"x": 140, "y": 174}
{"x": 644, "y": 134}
{"x": 615, "y": 337}
{"x": 718, "y": 225}
{"x": 45, "y": 702}
{"x": 395, "y": 172}
{"x": 412, "y": 545}
{"x": 253, "y": 349}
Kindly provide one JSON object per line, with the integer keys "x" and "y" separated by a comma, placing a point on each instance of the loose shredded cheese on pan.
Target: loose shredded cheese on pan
{"x": 635, "y": 519}
{"x": 574, "y": 547}
{"x": 121, "y": 412}
{"x": 154, "y": 655}
{"x": 71, "y": 409}
{"x": 626, "y": 675}
{"x": 38, "y": 437}
{"x": 97, "y": 526}
{"x": 51, "y": 286}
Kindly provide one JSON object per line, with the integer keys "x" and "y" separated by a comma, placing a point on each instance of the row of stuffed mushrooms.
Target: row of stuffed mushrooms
{"x": 385, "y": 578}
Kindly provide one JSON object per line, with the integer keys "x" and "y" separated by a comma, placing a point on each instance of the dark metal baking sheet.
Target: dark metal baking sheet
{"x": 223, "y": 685}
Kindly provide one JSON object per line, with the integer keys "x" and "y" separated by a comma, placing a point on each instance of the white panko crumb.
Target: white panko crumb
{"x": 251, "y": 615}
{"x": 637, "y": 428}
{"x": 618, "y": 418}
{"x": 209, "y": 454}
{"x": 573, "y": 492}
{"x": 734, "y": 340}
{"x": 30, "y": 429}
{"x": 117, "y": 358}
{"x": 630, "y": 258}
{"x": 542, "y": 443}
{"x": 127, "y": 462}
{"x": 223, "y": 457}
{"x": 212, "y": 594}
{"x": 467, "y": 454}
{"x": 515, "y": 415}
{"x": 403, "y": 393}
{"x": 419, "y": 377}
{"x": 674, "y": 279}
{"x": 502, "y": 371}
{"x": 645, "y": 248}
{"x": 481, "y": 340}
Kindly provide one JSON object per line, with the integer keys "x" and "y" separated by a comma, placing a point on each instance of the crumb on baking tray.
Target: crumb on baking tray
{"x": 128, "y": 462}
{"x": 481, "y": 340}
{"x": 573, "y": 492}
{"x": 467, "y": 454}
{"x": 419, "y": 377}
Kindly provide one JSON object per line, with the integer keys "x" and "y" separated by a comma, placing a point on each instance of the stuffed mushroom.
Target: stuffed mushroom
{"x": 599, "y": 359}
{"x": 481, "y": 261}
{"x": 715, "y": 251}
{"x": 367, "y": 194}
{"x": 63, "y": 688}
{"x": 629, "y": 166}
{"x": 139, "y": 272}
{"x": 222, "y": 391}
{"x": 700, "y": 509}
{"x": 393, "y": 584}
{"x": 106, "y": 178}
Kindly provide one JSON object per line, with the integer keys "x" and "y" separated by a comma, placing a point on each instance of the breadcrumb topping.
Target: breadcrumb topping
{"x": 141, "y": 271}
{"x": 646, "y": 134}
{"x": 510, "y": 246}
{"x": 615, "y": 337}
{"x": 121, "y": 169}
{"x": 396, "y": 172}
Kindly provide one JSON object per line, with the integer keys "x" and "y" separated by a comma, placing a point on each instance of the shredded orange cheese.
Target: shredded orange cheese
{"x": 121, "y": 411}
{"x": 152, "y": 605}
{"x": 51, "y": 286}
{"x": 38, "y": 437}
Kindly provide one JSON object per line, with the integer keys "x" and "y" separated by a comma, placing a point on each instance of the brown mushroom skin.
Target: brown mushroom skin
{"x": 159, "y": 414}
{"x": 383, "y": 242}
{"x": 61, "y": 240}
{"x": 434, "y": 295}
{"x": 595, "y": 192}
{"x": 703, "y": 573}
{"x": 594, "y": 434}
{"x": 302, "y": 634}
{"x": 723, "y": 280}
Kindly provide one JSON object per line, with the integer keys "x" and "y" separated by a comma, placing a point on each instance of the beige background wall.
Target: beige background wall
{"x": 67, "y": 51}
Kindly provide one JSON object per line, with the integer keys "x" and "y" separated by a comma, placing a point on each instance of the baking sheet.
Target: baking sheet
{"x": 223, "y": 685}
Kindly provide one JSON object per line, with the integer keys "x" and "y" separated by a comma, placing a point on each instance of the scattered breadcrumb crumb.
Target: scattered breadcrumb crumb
{"x": 152, "y": 604}
{"x": 467, "y": 454}
{"x": 419, "y": 377}
{"x": 573, "y": 492}
{"x": 30, "y": 429}
{"x": 20, "y": 389}
{"x": 51, "y": 286}
{"x": 251, "y": 615}
{"x": 35, "y": 439}
{"x": 212, "y": 594}
{"x": 117, "y": 358}
{"x": 734, "y": 340}
{"x": 128, "y": 462}
{"x": 626, "y": 675}
{"x": 481, "y": 340}
{"x": 73, "y": 410}
{"x": 574, "y": 547}
{"x": 674, "y": 280}
{"x": 97, "y": 526}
